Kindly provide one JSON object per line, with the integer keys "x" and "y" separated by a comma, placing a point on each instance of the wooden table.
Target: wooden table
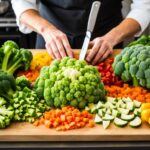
{"x": 25, "y": 132}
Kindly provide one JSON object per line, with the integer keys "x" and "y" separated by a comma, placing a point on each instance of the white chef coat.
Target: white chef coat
{"x": 140, "y": 11}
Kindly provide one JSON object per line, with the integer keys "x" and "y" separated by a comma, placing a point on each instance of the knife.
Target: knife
{"x": 90, "y": 27}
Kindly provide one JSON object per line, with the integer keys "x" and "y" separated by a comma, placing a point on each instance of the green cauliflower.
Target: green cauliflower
{"x": 133, "y": 65}
{"x": 70, "y": 82}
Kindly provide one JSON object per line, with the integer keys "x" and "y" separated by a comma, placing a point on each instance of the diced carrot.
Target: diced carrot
{"x": 36, "y": 123}
{"x": 47, "y": 123}
{"x": 63, "y": 118}
{"x": 69, "y": 118}
{"x": 91, "y": 124}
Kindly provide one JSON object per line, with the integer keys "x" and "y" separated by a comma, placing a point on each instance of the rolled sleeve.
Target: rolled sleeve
{"x": 140, "y": 11}
{"x": 20, "y": 6}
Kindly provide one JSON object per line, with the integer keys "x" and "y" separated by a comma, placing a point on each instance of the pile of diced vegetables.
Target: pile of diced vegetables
{"x": 69, "y": 93}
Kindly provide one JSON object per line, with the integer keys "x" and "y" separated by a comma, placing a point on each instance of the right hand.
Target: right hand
{"x": 57, "y": 43}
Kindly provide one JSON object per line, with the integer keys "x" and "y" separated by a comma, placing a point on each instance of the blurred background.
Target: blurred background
{"x": 10, "y": 31}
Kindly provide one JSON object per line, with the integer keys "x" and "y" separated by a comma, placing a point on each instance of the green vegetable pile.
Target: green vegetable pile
{"x": 6, "y": 113}
{"x": 70, "y": 82}
{"x": 12, "y": 58}
{"x": 27, "y": 105}
{"x": 17, "y": 101}
{"x": 133, "y": 65}
{"x": 144, "y": 40}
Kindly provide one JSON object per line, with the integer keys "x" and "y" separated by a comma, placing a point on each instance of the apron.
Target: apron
{"x": 71, "y": 17}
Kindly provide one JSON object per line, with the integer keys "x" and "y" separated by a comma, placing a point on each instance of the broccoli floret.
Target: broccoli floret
{"x": 126, "y": 76}
{"x": 140, "y": 74}
{"x": 7, "y": 85}
{"x": 14, "y": 58}
{"x": 143, "y": 65}
{"x": 119, "y": 68}
{"x": 147, "y": 73}
{"x": 22, "y": 60}
{"x": 74, "y": 103}
{"x": 142, "y": 82}
{"x": 22, "y": 82}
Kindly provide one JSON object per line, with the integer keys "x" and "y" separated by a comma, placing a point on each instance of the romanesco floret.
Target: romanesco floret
{"x": 68, "y": 82}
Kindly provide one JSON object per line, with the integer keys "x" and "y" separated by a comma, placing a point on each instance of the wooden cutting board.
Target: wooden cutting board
{"x": 27, "y": 132}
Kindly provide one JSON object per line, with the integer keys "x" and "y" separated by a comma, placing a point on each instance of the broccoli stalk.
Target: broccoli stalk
{"x": 9, "y": 48}
{"x": 23, "y": 60}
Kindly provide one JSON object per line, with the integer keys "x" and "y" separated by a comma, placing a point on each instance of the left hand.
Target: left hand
{"x": 102, "y": 47}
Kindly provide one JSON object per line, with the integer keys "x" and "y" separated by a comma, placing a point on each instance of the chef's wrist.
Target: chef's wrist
{"x": 45, "y": 27}
{"x": 111, "y": 37}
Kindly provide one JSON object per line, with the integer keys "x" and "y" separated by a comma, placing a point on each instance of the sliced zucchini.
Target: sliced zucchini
{"x": 130, "y": 106}
{"x": 120, "y": 123}
{"x": 137, "y": 104}
{"x": 94, "y": 110}
{"x": 105, "y": 124}
{"x": 110, "y": 105}
{"x": 137, "y": 111}
{"x": 111, "y": 99}
{"x": 127, "y": 99}
{"x": 101, "y": 113}
{"x": 120, "y": 102}
{"x": 115, "y": 113}
{"x": 97, "y": 119}
{"x": 108, "y": 117}
{"x": 136, "y": 122}
{"x": 123, "y": 111}
{"x": 108, "y": 111}
{"x": 123, "y": 106}
{"x": 100, "y": 105}
{"x": 104, "y": 110}
{"x": 127, "y": 117}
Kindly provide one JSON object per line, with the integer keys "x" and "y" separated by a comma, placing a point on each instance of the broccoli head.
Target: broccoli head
{"x": 133, "y": 65}
{"x": 12, "y": 58}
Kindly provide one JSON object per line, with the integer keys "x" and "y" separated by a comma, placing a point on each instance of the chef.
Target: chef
{"x": 61, "y": 24}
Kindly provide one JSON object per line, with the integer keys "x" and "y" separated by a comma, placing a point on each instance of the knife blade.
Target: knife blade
{"x": 90, "y": 27}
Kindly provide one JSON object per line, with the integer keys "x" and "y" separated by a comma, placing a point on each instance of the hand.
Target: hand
{"x": 102, "y": 47}
{"x": 57, "y": 43}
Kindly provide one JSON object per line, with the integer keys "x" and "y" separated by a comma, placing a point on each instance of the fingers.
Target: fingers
{"x": 58, "y": 45}
{"x": 94, "y": 50}
{"x": 101, "y": 50}
{"x": 91, "y": 44}
{"x": 49, "y": 50}
{"x": 55, "y": 49}
{"x": 105, "y": 55}
{"x": 67, "y": 46}
{"x": 100, "y": 53}
{"x": 60, "y": 48}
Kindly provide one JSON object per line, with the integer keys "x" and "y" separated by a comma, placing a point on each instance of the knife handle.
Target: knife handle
{"x": 93, "y": 15}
